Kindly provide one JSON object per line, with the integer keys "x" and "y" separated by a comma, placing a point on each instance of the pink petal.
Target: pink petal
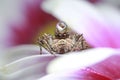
{"x": 104, "y": 33}
{"x": 82, "y": 75}
{"x": 79, "y": 60}
{"x": 110, "y": 67}
{"x": 21, "y": 21}
{"x": 95, "y": 22}
{"x": 99, "y": 64}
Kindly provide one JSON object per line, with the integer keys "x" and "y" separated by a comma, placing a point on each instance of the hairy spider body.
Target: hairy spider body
{"x": 63, "y": 41}
{"x": 62, "y": 45}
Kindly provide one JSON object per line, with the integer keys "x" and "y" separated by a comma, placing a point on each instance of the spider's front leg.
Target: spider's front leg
{"x": 45, "y": 42}
{"x": 80, "y": 43}
{"x": 41, "y": 44}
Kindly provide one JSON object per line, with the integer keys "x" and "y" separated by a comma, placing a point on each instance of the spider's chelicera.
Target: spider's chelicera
{"x": 63, "y": 41}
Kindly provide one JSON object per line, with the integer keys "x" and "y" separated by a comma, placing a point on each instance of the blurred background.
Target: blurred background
{"x": 23, "y": 21}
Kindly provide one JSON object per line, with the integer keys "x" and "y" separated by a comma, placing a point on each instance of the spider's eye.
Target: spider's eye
{"x": 61, "y": 26}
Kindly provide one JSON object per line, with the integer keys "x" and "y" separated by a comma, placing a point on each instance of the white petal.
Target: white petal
{"x": 79, "y": 60}
{"x": 19, "y": 52}
{"x": 59, "y": 76}
{"x": 3, "y": 76}
{"x": 74, "y": 12}
{"x": 32, "y": 66}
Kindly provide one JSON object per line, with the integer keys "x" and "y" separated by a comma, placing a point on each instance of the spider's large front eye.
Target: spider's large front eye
{"x": 61, "y": 26}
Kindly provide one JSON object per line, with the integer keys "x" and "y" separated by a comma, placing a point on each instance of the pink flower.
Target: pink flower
{"x": 99, "y": 28}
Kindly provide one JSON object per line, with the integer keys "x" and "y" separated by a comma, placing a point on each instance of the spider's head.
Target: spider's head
{"x": 61, "y": 30}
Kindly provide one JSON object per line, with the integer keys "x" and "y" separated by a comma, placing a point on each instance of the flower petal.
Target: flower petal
{"x": 99, "y": 64}
{"x": 32, "y": 66}
{"x": 98, "y": 26}
{"x": 80, "y": 60}
{"x": 19, "y": 52}
{"x": 108, "y": 66}
{"x": 59, "y": 76}
{"x": 83, "y": 75}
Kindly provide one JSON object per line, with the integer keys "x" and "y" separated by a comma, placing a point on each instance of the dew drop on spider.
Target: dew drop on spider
{"x": 61, "y": 26}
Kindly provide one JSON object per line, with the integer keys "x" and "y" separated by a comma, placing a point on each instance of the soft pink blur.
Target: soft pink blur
{"x": 24, "y": 29}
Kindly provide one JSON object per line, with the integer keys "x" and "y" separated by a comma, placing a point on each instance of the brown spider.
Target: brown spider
{"x": 63, "y": 41}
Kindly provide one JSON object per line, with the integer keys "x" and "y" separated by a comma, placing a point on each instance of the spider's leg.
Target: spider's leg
{"x": 84, "y": 44}
{"x": 46, "y": 44}
{"x": 81, "y": 42}
{"x": 40, "y": 50}
{"x": 48, "y": 41}
{"x": 77, "y": 42}
{"x": 42, "y": 43}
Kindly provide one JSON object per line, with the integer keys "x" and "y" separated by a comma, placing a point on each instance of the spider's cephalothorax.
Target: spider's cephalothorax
{"x": 61, "y": 31}
{"x": 63, "y": 41}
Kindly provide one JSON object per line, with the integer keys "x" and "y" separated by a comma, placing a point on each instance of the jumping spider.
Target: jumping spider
{"x": 63, "y": 41}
